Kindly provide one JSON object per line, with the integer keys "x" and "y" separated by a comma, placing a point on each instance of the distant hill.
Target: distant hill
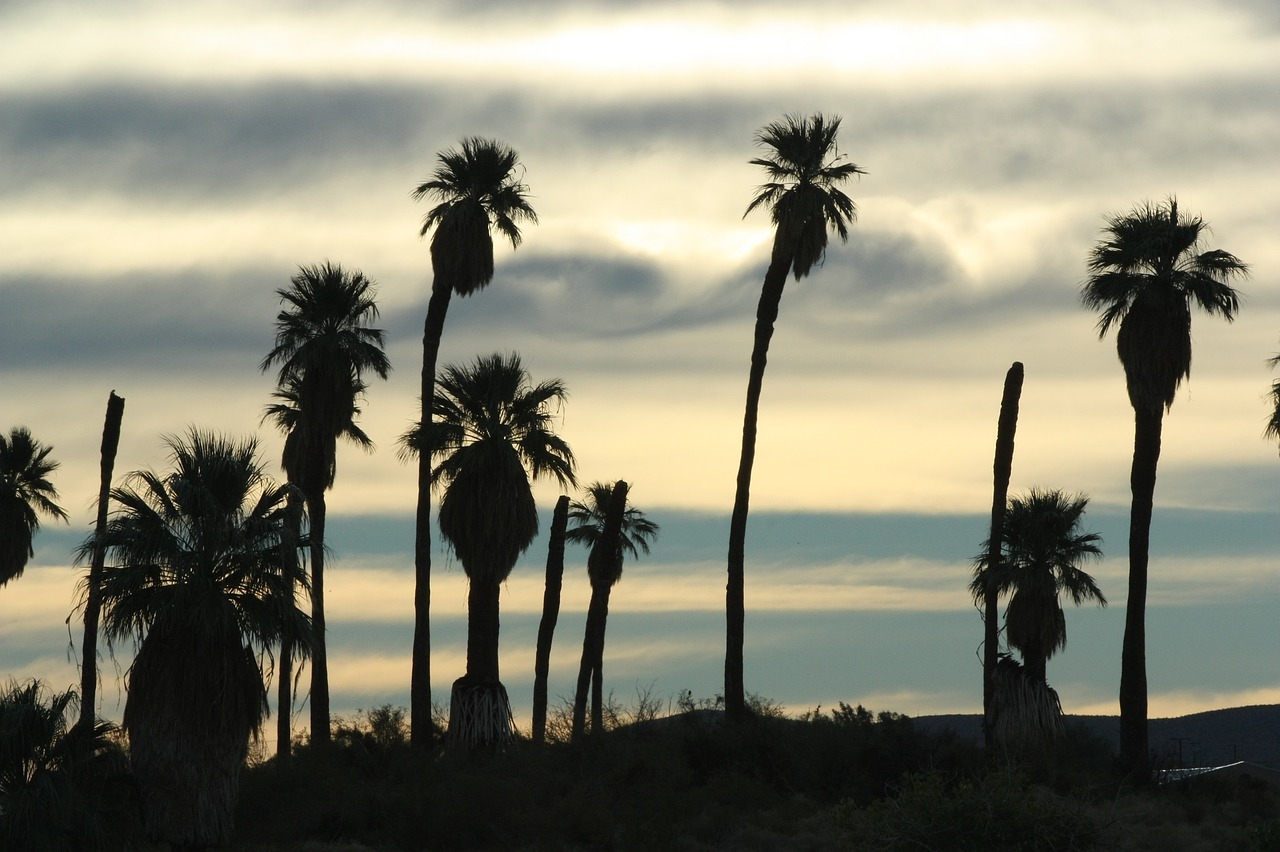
{"x": 1212, "y": 738}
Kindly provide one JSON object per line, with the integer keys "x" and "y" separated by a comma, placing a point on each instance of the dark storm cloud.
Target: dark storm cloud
{"x": 147, "y": 323}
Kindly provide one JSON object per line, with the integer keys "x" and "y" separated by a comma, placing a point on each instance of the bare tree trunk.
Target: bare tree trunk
{"x": 550, "y": 614}
{"x": 1134, "y": 745}
{"x": 320, "y": 721}
{"x": 421, "y": 727}
{"x": 1003, "y": 469}
{"x": 93, "y": 595}
{"x": 775, "y": 280}
{"x": 284, "y": 688}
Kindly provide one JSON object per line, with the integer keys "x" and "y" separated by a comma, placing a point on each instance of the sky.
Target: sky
{"x": 167, "y": 168}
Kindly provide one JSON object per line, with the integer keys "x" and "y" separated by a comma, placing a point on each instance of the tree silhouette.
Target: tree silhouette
{"x": 607, "y": 523}
{"x": 1145, "y": 274}
{"x": 476, "y": 187}
{"x": 804, "y": 200}
{"x": 492, "y": 432}
{"x": 25, "y": 494}
{"x": 1043, "y": 547}
{"x": 324, "y": 346}
{"x": 196, "y": 581}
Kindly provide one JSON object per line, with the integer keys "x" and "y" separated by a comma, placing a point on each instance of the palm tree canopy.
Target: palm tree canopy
{"x": 25, "y": 494}
{"x": 1040, "y": 561}
{"x": 588, "y": 517}
{"x": 493, "y": 432}
{"x": 1144, "y": 275}
{"x": 1273, "y": 419}
{"x": 303, "y": 466}
{"x": 200, "y": 546}
{"x": 476, "y": 186}
{"x": 803, "y": 194}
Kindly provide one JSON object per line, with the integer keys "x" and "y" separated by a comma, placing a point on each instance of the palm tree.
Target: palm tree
{"x": 476, "y": 187}
{"x": 1040, "y": 561}
{"x": 324, "y": 346}
{"x": 804, "y": 200}
{"x": 59, "y": 784}
{"x": 197, "y": 581}
{"x": 1144, "y": 275}
{"x": 492, "y": 433}
{"x": 606, "y": 523}
{"x": 25, "y": 494}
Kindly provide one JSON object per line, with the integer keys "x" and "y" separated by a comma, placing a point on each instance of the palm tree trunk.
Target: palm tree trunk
{"x": 775, "y": 280}
{"x": 482, "y": 630}
{"x": 320, "y": 722}
{"x": 597, "y": 613}
{"x": 597, "y": 686}
{"x": 1148, "y": 425}
{"x": 284, "y": 689}
{"x": 1002, "y": 469}
{"x": 420, "y": 724}
{"x": 93, "y": 596}
{"x": 550, "y": 614}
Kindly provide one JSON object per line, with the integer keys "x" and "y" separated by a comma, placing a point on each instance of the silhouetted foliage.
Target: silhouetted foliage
{"x": 25, "y": 494}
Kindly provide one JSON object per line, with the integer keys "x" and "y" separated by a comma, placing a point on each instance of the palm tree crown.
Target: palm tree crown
{"x": 476, "y": 186}
{"x": 492, "y": 432}
{"x": 588, "y": 519}
{"x": 1144, "y": 275}
{"x": 324, "y": 344}
{"x": 25, "y": 494}
{"x": 804, "y": 196}
{"x": 1041, "y": 555}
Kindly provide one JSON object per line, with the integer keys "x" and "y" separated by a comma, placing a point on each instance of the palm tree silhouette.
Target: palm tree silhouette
{"x": 610, "y": 539}
{"x": 324, "y": 346}
{"x": 476, "y": 187}
{"x": 1040, "y": 562}
{"x": 492, "y": 432}
{"x": 25, "y": 494}
{"x": 1144, "y": 275}
{"x": 196, "y": 580}
{"x": 804, "y": 200}
{"x": 1273, "y": 419}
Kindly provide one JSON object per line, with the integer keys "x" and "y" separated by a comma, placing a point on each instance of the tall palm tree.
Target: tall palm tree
{"x": 25, "y": 494}
{"x": 324, "y": 346}
{"x": 195, "y": 578}
{"x": 492, "y": 433}
{"x": 804, "y": 200}
{"x": 1040, "y": 560}
{"x": 629, "y": 533}
{"x": 476, "y": 187}
{"x": 1145, "y": 274}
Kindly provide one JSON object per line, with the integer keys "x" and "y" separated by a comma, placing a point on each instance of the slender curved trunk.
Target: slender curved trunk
{"x": 775, "y": 280}
{"x": 420, "y": 725}
{"x": 550, "y": 614}
{"x": 597, "y": 678}
{"x": 93, "y": 595}
{"x": 320, "y": 733}
{"x": 1002, "y": 471}
{"x": 597, "y": 615}
{"x": 1134, "y": 751}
